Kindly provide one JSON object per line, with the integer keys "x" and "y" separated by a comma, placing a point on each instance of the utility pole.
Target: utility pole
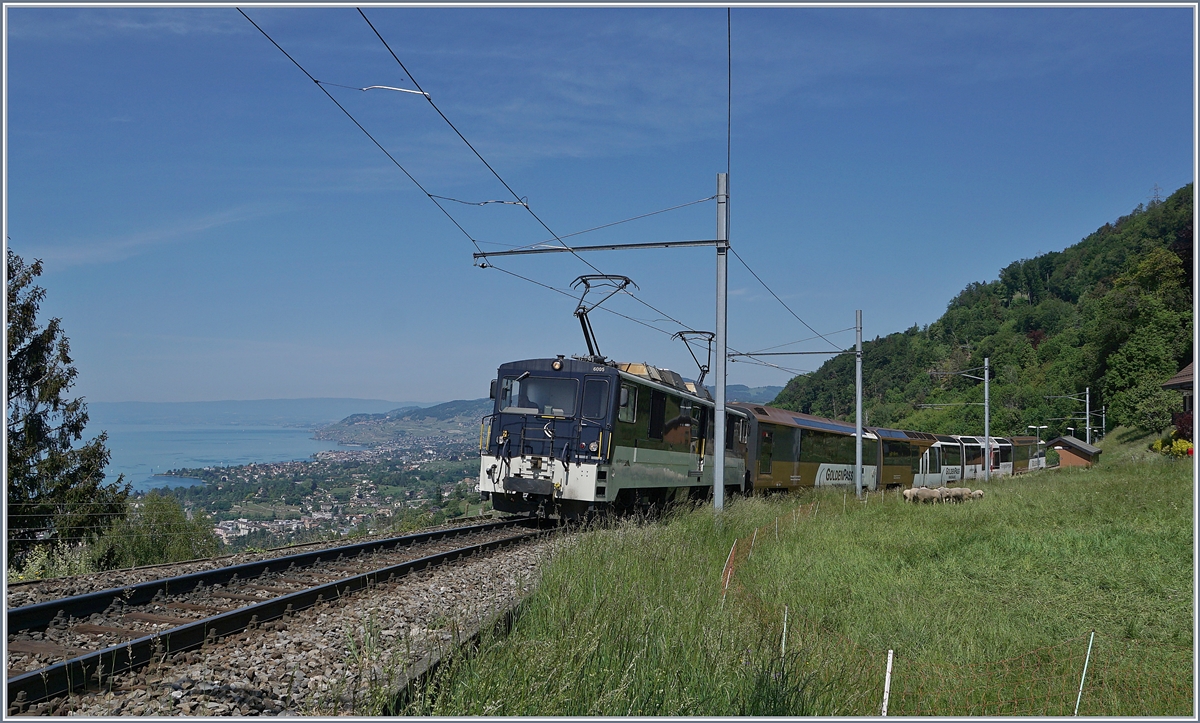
{"x": 987, "y": 424}
{"x": 858, "y": 417}
{"x": 722, "y": 308}
{"x": 1087, "y": 414}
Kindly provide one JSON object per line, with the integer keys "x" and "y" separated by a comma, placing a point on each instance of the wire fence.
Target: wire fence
{"x": 1091, "y": 675}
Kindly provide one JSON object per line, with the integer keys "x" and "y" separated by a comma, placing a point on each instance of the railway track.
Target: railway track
{"x": 58, "y": 646}
{"x": 19, "y": 593}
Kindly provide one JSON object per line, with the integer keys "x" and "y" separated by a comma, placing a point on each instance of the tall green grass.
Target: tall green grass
{"x": 987, "y": 604}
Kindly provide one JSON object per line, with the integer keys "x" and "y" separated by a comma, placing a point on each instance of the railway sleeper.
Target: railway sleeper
{"x": 94, "y": 669}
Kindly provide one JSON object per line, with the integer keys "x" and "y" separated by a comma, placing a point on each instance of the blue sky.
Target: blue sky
{"x": 213, "y": 227}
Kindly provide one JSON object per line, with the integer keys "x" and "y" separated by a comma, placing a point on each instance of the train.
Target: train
{"x": 570, "y": 437}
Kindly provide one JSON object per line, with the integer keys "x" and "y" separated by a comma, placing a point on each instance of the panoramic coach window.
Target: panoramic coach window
{"x": 595, "y": 398}
{"x": 539, "y": 395}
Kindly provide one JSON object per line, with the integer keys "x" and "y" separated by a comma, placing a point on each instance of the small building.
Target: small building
{"x": 1074, "y": 452}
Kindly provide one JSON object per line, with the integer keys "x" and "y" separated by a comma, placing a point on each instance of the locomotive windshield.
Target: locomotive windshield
{"x": 539, "y": 395}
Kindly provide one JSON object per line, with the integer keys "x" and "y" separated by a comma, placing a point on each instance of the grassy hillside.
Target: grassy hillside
{"x": 1112, "y": 312}
{"x": 987, "y": 604}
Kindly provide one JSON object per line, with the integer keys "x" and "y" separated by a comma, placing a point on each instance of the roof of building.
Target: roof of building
{"x": 1078, "y": 444}
{"x": 1182, "y": 380}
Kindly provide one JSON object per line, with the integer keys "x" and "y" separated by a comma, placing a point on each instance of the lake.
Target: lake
{"x": 139, "y": 451}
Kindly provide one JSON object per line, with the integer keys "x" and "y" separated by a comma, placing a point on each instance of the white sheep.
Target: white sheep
{"x": 958, "y": 494}
{"x": 977, "y": 495}
{"x": 924, "y": 494}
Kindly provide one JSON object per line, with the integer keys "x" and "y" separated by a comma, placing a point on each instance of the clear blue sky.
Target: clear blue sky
{"x": 213, "y": 227}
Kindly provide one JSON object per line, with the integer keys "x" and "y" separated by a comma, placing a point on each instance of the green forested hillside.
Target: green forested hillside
{"x": 1113, "y": 313}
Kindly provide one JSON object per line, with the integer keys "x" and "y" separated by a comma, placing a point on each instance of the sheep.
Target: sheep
{"x": 924, "y": 494}
{"x": 977, "y": 495}
{"x": 908, "y": 494}
{"x": 957, "y": 494}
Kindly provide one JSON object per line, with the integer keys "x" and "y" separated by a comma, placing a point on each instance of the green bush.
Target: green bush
{"x": 1172, "y": 447}
{"x": 156, "y": 531}
{"x": 53, "y": 560}
{"x": 1052, "y": 457}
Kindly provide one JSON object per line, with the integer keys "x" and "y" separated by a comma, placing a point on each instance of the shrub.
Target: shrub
{"x": 1173, "y": 447}
{"x": 1152, "y": 406}
{"x": 1183, "y": 425}
{"x": 53, "y": 560}
{"x": 1052, "y": 458}
{"x": 157, "y": 531}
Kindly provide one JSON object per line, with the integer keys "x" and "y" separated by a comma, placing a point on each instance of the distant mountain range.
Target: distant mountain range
{"x": 252, "y": 412}
{"x": 748, "y": 395}
{"x": 348, "y": 420}
{"x": 459, "y": 417}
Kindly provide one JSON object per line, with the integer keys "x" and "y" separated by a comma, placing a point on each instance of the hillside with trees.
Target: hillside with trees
{"x": 1113, "y": 312}
{"x": 458, "y": 418}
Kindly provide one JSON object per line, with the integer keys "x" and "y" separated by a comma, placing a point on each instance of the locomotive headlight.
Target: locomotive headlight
{"x": 556, "y": 365}
{"x": 594, "y": 446}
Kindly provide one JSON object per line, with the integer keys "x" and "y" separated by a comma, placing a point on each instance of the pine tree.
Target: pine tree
{"x": 56, "y": 491}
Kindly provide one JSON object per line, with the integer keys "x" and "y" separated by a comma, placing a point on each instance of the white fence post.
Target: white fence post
{"x": 887, "y": 684}
{"x": 726, "y": 573}
{"x": 783, "y": 645}
{"x": 1084, "y": 676}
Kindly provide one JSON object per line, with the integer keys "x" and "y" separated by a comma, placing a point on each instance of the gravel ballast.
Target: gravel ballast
{"x": 343, "y": 657}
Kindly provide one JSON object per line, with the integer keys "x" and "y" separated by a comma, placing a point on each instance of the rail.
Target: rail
{"x": 96, "y": 667}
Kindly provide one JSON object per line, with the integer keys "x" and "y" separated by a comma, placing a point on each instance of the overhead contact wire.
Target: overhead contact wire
{"x": 617, "y": 223}
{"x": 478, "y": 155}
{"x": 572, "y": 296}
{"x": 768, "y": 288}
{"x": 801, "y": 341}
{"x": 464, "y": 140}
{"x": 320, "y": 85}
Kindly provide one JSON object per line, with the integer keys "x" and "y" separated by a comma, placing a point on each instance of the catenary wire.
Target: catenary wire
{"x": 762, "y": 363}
{"x": 521, "y": 202}
{"x": 364, "y": 130}
{"x": 572, "y": 296}
{"x": 617, "y": 223}
{"x": 768, "y": 288}
{"x": 520, "y": 247}
{"x": 801, "y": 341}
{"x": 493, "y": 170}
{"x": 464, "y": 138}
{"x": 431, "y": 196}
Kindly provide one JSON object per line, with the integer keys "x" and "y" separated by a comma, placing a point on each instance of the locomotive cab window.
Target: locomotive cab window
{"x": 539, "y": 395}
{"x": 595, "y": 398}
